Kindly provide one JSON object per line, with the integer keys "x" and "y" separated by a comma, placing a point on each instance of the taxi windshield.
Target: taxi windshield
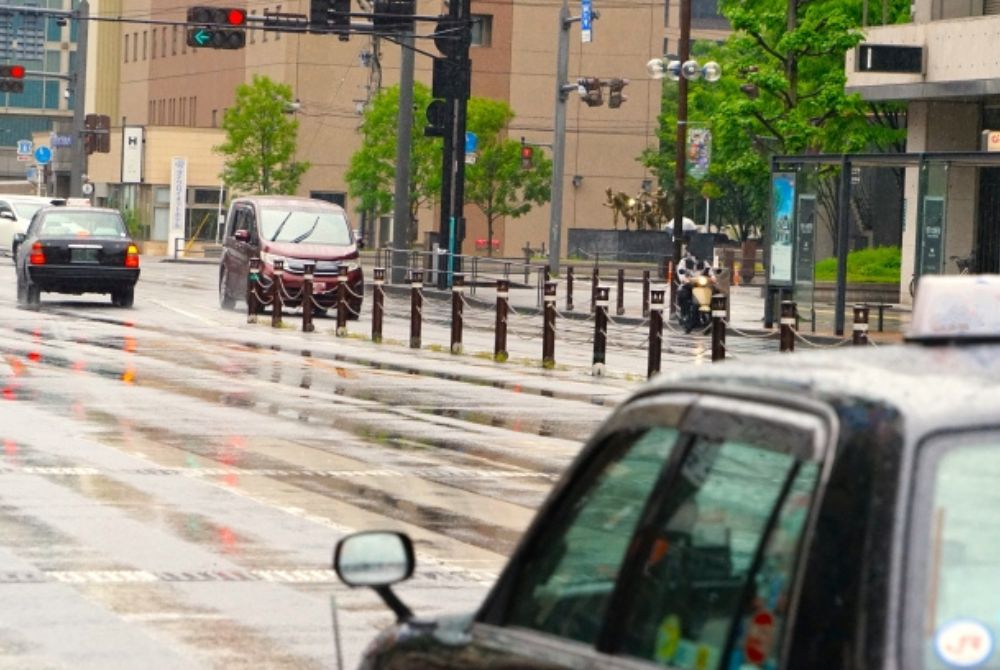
{"x": 962, "y": 556}
{"x": 305, "y": 226}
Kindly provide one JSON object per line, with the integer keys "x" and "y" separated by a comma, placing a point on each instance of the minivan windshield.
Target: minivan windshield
{"x": 305, "y": 226}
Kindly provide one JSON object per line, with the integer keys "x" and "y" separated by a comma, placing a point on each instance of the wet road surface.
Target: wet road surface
{"x": 173, "y": 479}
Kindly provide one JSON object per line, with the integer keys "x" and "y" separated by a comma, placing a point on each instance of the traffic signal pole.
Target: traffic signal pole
{"x": 559, "y": 140}
{"x": 401, "y": 195}
{"x": 79, "y": 163}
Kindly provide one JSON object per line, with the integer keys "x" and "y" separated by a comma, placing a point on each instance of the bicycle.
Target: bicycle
{"x": 964, "y": 263}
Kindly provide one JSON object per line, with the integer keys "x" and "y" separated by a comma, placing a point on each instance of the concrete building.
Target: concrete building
{"x": 951, "y": 198}
{"x": 178, "y": 95}
{"x": 46, "y": 47}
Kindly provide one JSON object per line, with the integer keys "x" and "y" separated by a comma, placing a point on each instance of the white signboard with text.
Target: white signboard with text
{"x": 178, "y": 202}
{"x": 132, "y": 154}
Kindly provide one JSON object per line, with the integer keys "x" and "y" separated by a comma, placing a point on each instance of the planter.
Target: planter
{"x": 826, "y": 292}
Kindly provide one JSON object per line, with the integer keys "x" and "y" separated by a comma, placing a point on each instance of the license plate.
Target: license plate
{"x": 85, "y": 255}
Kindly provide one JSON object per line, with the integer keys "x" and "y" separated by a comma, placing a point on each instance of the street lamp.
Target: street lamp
{"x": 682, "y": 70}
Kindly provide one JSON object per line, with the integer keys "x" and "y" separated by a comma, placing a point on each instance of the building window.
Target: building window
{"x": 253, "y": 33}
{"x": 135, "y": 47}
{"x": 173, "y": 43}
{"x": 192, "y": 116}
{"x": 277, "y": 36}
{"x": 173, "y": 111}
{"x": 163, "y": 42}
{"x": 152, "y": 53}
{"x": 263, "y": 34}
{"x": 215, "y": 118}
{"x": 666, "y": 46}
{"x": 482, "y": 30}
{"x": 666, "y": 14}
{"x": 145, "y": 43}
{"x": 152, "y": 113}
{"x": 126, "y": 47}
{"x": 705, "y": 14}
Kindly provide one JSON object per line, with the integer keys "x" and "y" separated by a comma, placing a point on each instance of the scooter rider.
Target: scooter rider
{"x": 689, "y": 268}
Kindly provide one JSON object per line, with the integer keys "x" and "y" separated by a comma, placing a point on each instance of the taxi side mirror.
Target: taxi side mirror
{"x": 7, "y": 214}
{"x": 376, "y": 559}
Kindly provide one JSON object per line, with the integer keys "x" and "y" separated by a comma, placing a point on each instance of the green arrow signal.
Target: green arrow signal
{"x": 202, "y": 36}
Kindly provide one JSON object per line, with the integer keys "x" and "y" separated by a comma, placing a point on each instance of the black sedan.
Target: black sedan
{"x": 831, "y": 510}
{"x": 76, "y": 250}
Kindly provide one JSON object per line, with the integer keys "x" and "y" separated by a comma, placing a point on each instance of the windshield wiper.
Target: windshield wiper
{"x": 280, "y": 226}
{"x": 307, "y": 233}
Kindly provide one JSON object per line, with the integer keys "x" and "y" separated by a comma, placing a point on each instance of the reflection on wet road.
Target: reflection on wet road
{"x": 173, "y": 480}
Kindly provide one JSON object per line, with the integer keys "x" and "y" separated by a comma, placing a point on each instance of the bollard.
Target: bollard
{"x": 655, "y": 330}
{"x": 342, "y": 302}
{"x": 645, "y": 293}
{"x": 601, "y": 331}
{"x": 378, "y": 304}
{"x": 569, "y": 288}
{"x": 620, "y": 307}
{"x": 500, "y": 338}
{"x": 860, "y": 334}
{"x": 719, "y": 311}
{"x": 549, "y": 327}
{"x": 506, "y": 270}
{"x": 308, "y": 267}
{"x": 276, "y": 307}
{"x": 787, "y": 324}
{"x": 594, "y": 279}
{"x": 253, "y": 279}
{"x": 457, "y": 287}
{"x": 416, "y": 306}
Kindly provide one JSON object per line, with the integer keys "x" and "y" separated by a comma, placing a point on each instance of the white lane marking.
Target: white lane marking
{"x": 182, "y": 312}
{"x": 443, "y": 473}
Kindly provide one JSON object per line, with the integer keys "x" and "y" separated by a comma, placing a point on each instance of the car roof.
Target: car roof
{"x": 79, "y": 208}
{"x": 954, "y": 384}
{"x": 288, "y": 202}
{"x": 31, "y": 198}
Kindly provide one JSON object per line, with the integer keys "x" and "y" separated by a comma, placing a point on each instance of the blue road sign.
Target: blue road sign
{"x": 471, "y": 142}
{"x": 24, "y": 147}
{"x": 43, "y": 155}
{"x": 586, "y": 21}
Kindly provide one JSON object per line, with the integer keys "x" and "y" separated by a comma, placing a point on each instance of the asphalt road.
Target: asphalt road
{"x": 173, "y": 479}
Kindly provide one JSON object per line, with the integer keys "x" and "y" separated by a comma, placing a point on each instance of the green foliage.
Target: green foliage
{"x": 495, "y": 183}
{"x": 372, "y": 170}
{"x": 879, "y": 265}
{"x": 260, "y": 140}
{"x": 133, "y": 224}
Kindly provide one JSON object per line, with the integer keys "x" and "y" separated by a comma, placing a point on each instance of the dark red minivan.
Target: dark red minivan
{"x": 294, "y": 230}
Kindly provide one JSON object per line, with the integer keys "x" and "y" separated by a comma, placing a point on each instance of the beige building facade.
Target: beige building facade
{"x": 145, "y": 76}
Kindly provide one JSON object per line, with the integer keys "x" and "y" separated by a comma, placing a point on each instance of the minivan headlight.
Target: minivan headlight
{"x": 269, "y": 258}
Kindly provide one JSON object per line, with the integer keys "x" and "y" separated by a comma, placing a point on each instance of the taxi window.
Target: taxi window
{"x": 567, "y": 581}
{"x": 718, "y": 563}
{"x": 957, "y": 562}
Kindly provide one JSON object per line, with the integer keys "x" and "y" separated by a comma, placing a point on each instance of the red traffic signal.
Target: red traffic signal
{"x": 12, "y": 78}
{"x": 527, "y": 156}
{"x": 217, "y": 27}
{"x": 236, "y": 17}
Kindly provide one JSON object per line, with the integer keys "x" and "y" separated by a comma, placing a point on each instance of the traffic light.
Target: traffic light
{"x": 439, "y": 118}
{"x": 590, "y": 91}
{"x": 11, "y": 78}
{"x": 394, "y": 16}
{"x": 217, "y": 27}
{"x": 332, "y": 15}
{"x": 615, "y": 96}
{"x": 527, "y": 155}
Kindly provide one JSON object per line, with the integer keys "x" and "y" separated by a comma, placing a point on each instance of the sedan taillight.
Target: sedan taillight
{"x": 132, "y": 256}
{"x": 37, "y": 254}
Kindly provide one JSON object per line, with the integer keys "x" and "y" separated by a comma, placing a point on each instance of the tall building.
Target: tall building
{"x": 177, "y": 96}
{"x": 46, "y": 47}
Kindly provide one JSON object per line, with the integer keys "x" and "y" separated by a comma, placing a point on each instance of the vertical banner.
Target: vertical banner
{"x": 178, "y": 202}
{"x": 699, "y": 152}
{"x": 586, "y": 21}
{"x": 804, "y": 236}
{"x": 932, "y": 235}
{"x": 781, "y": 234}
{"x": 132, "y": 154}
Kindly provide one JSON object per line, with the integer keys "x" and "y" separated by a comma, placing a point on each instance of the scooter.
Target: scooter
{"x": 695, "y": 313}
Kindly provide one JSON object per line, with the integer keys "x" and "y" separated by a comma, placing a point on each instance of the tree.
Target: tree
{"x": 496, "y": 183}
{"x": 371, "y": 174}
{"x": 260, "y": 140}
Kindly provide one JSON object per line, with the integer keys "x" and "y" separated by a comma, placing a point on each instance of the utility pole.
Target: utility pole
{"x": 559, "y": 140}
{"x": 79, "y": 164}
{"x": 683, "y": 54}
{"x": 401, "y": 197}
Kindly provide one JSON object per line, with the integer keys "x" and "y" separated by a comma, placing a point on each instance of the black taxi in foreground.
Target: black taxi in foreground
{"x": 76, "y": 250}
{"x": 829, "y": 510}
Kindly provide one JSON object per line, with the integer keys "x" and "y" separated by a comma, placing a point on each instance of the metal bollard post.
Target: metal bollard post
{"x": 620, "y": 307}
{"x": 594, "y": 279}
{"x": 601, "y": 331}
{"x": 655, "y": 331}
{"x": 506, "y": 270}
{"x": 787, "y": 324}
{"x": 549, "y": 327}
{"x": 860, "y": 334}
{"x": 416, "y": 306}
{"x": 569, "y": 288}
{"x": 378, "y": 304}
{"x": 718, "y": 304}
{"x": 527, "y": 271}
{"x": 308, "y": 267}
{"x": 457, "y": 287}
{"x": 645, "y": 293}
{"x": 253, "y": 283}
{"x": 276, "y": 285}
{"x": 342, "y": 302}
{"x": 500, "y": 338}
{"x": 475, "y": 275}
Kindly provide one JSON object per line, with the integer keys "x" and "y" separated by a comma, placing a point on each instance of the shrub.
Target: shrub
{"x": 879, "y": 265}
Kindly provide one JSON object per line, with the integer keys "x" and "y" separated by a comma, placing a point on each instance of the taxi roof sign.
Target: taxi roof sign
{"x": 952, "y": 308}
